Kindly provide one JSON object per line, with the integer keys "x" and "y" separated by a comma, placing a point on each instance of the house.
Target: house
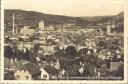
{"x": 53, "y": 72}
{"x": 111, "y": 29}
{"x": 50, "y": 28}
{"x": 57, "y": 64}
{"x": 81, "y": 69}
{"x": 12, "y": 64}
{"x": 24, "y": 46}
{"x": 27, "y": 31}
{"x": 23, "y": 38}
{"x": 114, "y": 66}
{"x": 99, "y": 24}
{"x": 22, "y": 75}
{"x": 44, "y": 74}
{"x": 41, "y": 50}
{"x": 14, "y": 38}
{"x": 61, "y": 73}
{"x": 28, "y": 71}
{"x": 15, "y": 65}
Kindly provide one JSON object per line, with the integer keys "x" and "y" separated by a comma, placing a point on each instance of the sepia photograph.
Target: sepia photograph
{"x": 63, "y": 40}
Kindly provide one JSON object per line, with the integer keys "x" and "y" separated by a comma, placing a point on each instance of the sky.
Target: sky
{"x": 68, "y": 7}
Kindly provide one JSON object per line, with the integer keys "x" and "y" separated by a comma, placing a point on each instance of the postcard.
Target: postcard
{"x": 64, "y": 41}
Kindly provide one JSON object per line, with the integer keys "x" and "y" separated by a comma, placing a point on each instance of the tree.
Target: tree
{"x": 36, "y": 47}
{"x": 83, "y": 52}
{"x": 8, "y": 52}
{"x": 9, "y": 76}
{"x": 71, "y": 52}
{"x": 119, "y": 72}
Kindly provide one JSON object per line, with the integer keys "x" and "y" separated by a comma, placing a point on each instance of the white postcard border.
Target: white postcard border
{"x": 69, "y": 81}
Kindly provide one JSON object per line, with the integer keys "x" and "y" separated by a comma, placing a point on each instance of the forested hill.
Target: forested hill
{"x": 32, "y": 18}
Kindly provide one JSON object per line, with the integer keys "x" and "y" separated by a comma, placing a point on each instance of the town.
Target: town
{"x": 63, "y": 51}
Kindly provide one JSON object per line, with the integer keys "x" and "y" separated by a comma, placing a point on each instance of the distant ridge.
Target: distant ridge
{"x": 32, "y": 18}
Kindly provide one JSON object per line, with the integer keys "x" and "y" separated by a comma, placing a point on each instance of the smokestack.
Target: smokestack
{"x": 13, "y": 24}
{"x": 108, "y": 30}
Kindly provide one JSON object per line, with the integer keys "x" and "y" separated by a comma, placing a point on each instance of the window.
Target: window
{"x": 27, "y": 77}
{"x": 45, "y": 76}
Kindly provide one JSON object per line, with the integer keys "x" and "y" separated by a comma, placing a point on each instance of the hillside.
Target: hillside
{"x": 119, "y": 17}
{"x": 32, "y": 18}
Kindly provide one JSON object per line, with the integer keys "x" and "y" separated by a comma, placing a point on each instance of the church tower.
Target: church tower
{"x": 41, "y": 25}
